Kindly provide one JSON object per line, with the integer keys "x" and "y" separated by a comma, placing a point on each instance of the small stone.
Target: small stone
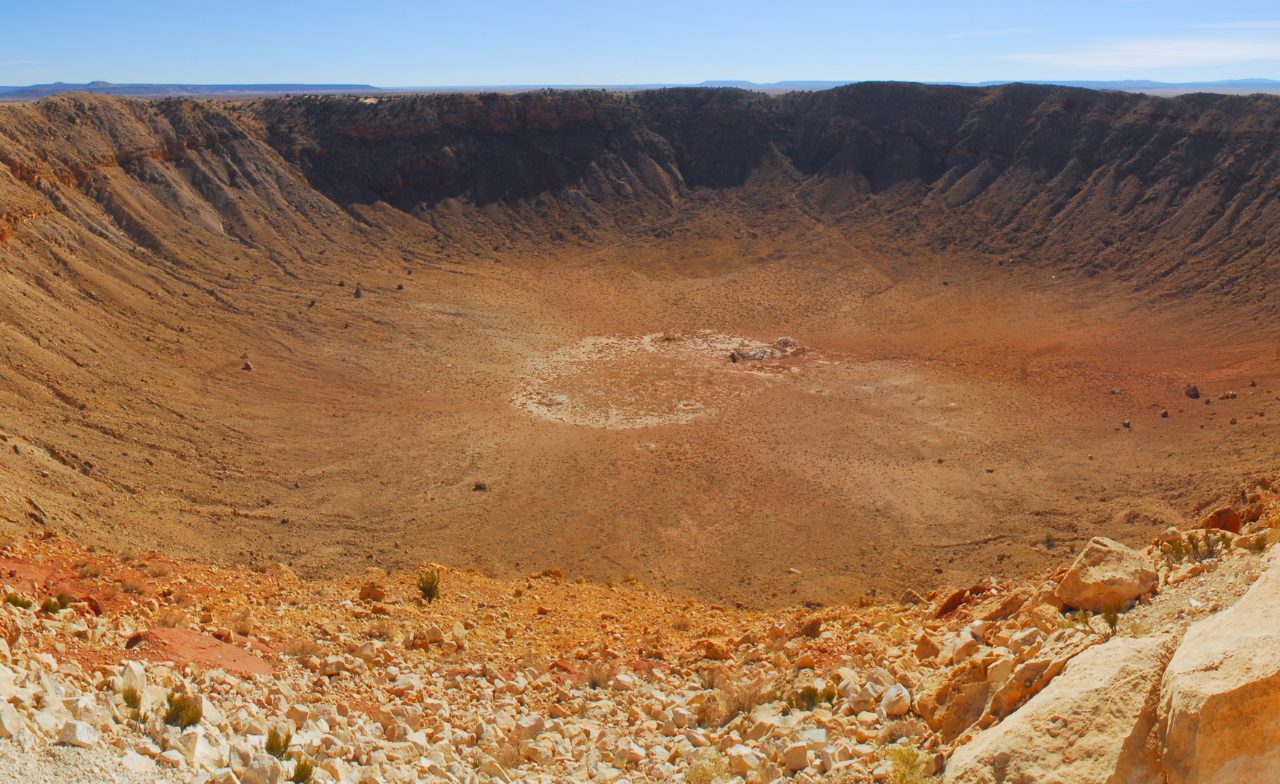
{"x": 79, "y": 734}
{"x": 896, "y": 701}
{"x": 372, "y": 592}
{"x": 10, "y": 721}
{"x": 796, "y": 756}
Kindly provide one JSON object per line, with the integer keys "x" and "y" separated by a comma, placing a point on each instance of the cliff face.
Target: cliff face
{"x": 1175, "y": 194}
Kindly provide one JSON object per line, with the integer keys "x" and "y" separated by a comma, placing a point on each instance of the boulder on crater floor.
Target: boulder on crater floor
{"x": 1106, "y": 575}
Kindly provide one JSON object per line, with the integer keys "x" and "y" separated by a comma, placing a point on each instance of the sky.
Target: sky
{"x": 467, "y": 42}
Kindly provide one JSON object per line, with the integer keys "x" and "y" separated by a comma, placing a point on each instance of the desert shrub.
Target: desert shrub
{"x": 18, "y": 601}
{"x": 278, "y": 743}
{"x": 1139, "y": 628}
{"x": 1080, "y": 619}
{"x": 709, "y": 766}
{"x": 1177, "y": 550}
{"x": 1211, "y": 544}
{"x": 908, "y": 764}
{"x": 902, "y": 729}
{"x": 183, "y": 710}
{"x": 429, "y": 585}
{"x": 731, "y": 699}
{"x": 52, "y": 606}
{"x": 810, "y": 697}
{"x": 1257, "y": 545}
{"x": 600, "y": 673}
{"x": 302, "y": 647}
{"x": 303, "y": 771}
{"x": 1111, "y": 617}
{"x": 132, "y": 699}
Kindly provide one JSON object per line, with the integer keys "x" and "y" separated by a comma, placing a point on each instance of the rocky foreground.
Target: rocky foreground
{"x": 1158, "y": 665}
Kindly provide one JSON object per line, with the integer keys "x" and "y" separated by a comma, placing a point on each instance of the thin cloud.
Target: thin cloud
{"x": 1139, "y": 53}
{"x": 1257, "y": 24}
{"x": 997, "y": 33}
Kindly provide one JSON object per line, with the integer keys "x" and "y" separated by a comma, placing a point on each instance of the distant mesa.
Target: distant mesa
{"x": 37, "y": 91}
{"x": 149, "y": 90}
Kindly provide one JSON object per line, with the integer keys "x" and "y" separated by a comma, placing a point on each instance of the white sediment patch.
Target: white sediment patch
{"x": 620, "y": 383}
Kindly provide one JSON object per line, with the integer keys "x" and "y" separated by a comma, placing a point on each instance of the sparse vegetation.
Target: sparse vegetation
{"x": 1211, "y": 543}
{"x": 810, "y": 697}
{"x": 183, "y": 710}
{"x": 1111, "y": 617}
{"x": 600, "y": 673}
{"x": 302, "y": 647}
{"x": 709, "y": 766}
{"x": 17, "y": 600}
{"x": 132, "y": 699}
{"x": 303, "y": 771}
{"x": 731, "y": 698}
{"x": 278, "y": 742}
{"x": 1257, "y": 544}
{"x": 1139, "y": 628}
{"x": 902, "y": 729}
{"x": 55, "y": 604}
{"x": 1080, "y": 619}
{"x": 429, "y": 585}
{"x": 909, "y": 764}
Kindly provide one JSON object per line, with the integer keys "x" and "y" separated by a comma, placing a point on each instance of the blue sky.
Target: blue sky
{"x": 605, "y": 42}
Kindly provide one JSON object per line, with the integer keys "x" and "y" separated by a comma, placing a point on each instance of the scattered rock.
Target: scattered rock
{"x": 1224, "y": 518}
{"x": 372, "y": 592}
{"x": 1105, "y": 576}
{"x": 79, "y": 734}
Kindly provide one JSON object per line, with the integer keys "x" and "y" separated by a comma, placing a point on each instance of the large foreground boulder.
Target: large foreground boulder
{"x": 1220, "y": 700}
{"x": 1106, "y": 575}
{"x": 1092, "y": 725}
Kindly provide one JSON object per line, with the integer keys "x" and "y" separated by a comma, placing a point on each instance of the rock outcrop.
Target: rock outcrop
{"x": 1091, "y": 725}
{"x": 1107, "y": 575}
{"x": 1220, "y": 700}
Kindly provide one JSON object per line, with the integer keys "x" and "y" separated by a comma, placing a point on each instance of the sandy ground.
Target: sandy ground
{"x": 922, "y": 423}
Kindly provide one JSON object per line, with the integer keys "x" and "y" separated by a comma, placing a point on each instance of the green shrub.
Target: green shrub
{"x": 132, "y": 699}
{"x": 184, "y": 710}
{"x": 429, "y": 585}
{"x": 909, "y": 764}
{"x": 278, "y": 743}
{"x": 1111, "y": 617}
{"x": 15, "y": 600}
{"x": 809, "y": 697}
{"x": 303, "y": 771}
